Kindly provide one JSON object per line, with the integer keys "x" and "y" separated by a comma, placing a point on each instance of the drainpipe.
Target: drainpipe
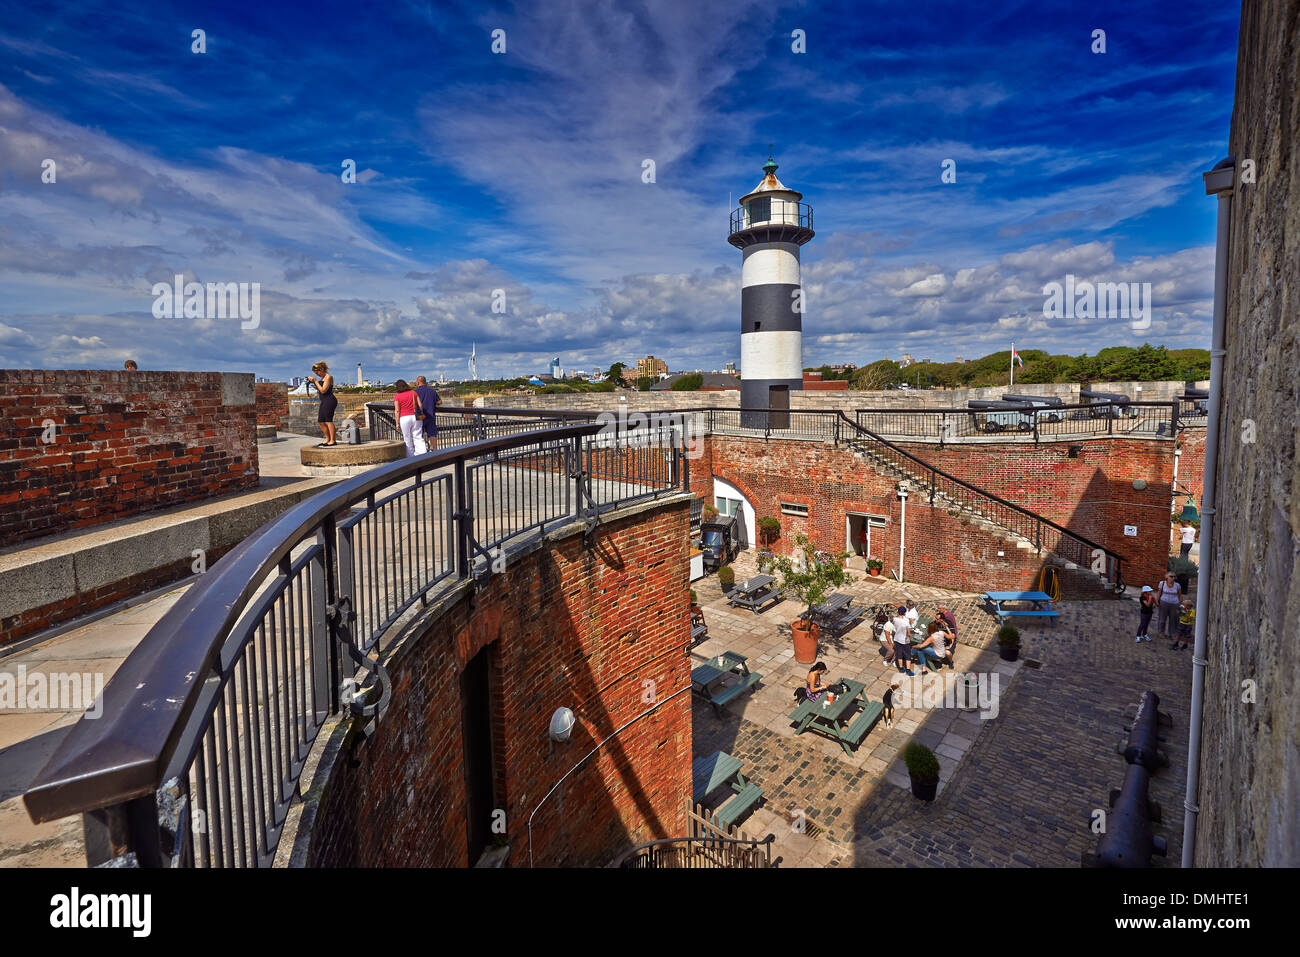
{"x": 902, "y": 527}
{"x": 1218, "y": 182}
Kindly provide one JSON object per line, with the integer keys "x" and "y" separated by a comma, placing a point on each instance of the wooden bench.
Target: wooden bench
{"x": 727, "y": 694}
{"x": 864, "y": 722}
{"x": 736, "y": 807}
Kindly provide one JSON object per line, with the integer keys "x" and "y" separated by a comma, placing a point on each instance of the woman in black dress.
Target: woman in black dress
{"x": 328, "y": 401}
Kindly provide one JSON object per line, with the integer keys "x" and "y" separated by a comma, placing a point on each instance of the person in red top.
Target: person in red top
{"x": 407, "y": 409}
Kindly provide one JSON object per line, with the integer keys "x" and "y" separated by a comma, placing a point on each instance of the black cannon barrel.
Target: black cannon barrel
{"x": 1040, "y": 399}
{"x": 1118, "y": 398}
{"x": 1129, "y": 841}
{"x": 1144, "y": 736}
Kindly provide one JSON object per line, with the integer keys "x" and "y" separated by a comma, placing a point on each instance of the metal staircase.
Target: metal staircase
{"x": 1013, "y": 523}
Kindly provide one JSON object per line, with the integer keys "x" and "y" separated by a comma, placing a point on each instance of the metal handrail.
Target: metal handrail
{"x": 735, "y": 852}
{"x": 1039, "y": 521}
{"x": 802, "y": 217}
{"x": 159, "y": 705}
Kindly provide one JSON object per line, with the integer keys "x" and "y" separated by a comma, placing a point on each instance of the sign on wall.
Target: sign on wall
{"x": 1131, "y": 531}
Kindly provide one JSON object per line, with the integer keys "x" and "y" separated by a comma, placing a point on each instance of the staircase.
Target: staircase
{"x": 1012, "y": 523}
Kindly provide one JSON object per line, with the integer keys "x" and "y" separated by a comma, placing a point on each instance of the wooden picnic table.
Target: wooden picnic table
{"x": 836, "y": 614}
{"x": 753, "y": 593}
{"x": 718, "y": 770}
{"x": 829, "y": 720}
{"x": 706, "y": 675}
{"x": 832, "y": 604}
{"x": 1041, "y": 605}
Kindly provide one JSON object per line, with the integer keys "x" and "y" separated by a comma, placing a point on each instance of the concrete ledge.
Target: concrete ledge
{"x": 66, "y": 576}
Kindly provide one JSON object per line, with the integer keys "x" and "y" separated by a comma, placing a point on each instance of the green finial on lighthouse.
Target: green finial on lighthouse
{"x": 770, "y": 166}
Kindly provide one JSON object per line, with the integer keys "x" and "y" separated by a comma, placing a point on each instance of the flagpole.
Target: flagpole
{"x": 1013, "y": 366}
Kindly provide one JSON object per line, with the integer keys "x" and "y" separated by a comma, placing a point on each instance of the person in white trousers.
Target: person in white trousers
{"x": 406, "y": 408}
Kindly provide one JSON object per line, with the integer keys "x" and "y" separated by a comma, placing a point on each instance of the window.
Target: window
{"x": 793, "y": 508}
{"x": 727, "y": 506}
{"x": 760, "y": 210}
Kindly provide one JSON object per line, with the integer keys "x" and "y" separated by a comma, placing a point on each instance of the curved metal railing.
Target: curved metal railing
{"x": 677, "y": 853}
{"x": 206, "y": 726}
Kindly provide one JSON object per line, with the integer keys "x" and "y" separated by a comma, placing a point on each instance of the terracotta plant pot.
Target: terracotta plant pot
{"x": 805, "y": 641}
{"x": 875, "y": 572}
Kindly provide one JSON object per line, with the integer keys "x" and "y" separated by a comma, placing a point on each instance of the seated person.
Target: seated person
{"x": 814, "y": 688}
{"x": 946, "y": 643}
{"x": 933, "y": 648}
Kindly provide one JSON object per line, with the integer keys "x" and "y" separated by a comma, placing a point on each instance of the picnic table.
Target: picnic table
{"x": 718, "y": 770}
{"x": 705, "y": 677}
{"x": 754, "y": 593}
{"x": 837, "y": 614}
{"x": 1041, "y": 605}
{"x": 830, "y": 720}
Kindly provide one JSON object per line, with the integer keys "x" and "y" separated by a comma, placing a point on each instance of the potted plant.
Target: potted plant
{"x": 769, "y": 529}
{"x": 709, "y": 513}
{"x": 1008, "y": 642}
{"x": 811, "y": 581}
{"x": 874, "y": 565}
{"x": 923, "y": 769}
{"x": 1184, "y": 569}
{"x": 695, "y": 602}
{"x": 766, "y": 562}
{"x": 727, "y": 578}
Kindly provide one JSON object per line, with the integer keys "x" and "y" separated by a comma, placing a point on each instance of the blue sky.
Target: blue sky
{"x": 522, "y": 172}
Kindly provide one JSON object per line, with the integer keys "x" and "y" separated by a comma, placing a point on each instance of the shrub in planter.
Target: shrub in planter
{"x": 726, "y": 577}
{"x": 805, "y": 577}
{"x": 923, "y": 769}
{"x": 874, "y": 565}
{"x": 768, "y": 528}
{"x": 1008, "y": 642}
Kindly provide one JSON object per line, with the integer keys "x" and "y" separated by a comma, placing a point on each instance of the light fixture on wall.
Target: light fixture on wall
{"x": 562, "y": 723}
{"x": 1075, "y": 450}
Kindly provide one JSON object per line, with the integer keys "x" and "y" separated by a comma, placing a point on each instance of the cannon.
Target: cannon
{"x": 1129, "y": 841}
{"x": 1142, "y": 746}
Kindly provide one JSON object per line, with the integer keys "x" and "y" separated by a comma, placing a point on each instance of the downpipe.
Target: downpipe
{"x": 1218, "y": 182}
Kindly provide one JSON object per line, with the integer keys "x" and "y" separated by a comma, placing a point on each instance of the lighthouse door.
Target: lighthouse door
{"x": 778, "y": 401}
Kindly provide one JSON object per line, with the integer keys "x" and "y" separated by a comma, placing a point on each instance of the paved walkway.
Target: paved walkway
{"x": 1018, "y": 789}
{"x": 30, "y": 736}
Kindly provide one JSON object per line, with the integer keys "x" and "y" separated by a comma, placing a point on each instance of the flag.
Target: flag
{"x": 1015, "y": 357}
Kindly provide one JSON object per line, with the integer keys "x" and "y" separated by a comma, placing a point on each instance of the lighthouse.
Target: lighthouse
{"x": 768, "y": 227}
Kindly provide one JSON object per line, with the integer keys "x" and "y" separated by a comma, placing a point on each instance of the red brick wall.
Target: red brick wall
{"x": 1091, "y": 495}
{"x": 566, "y": 626}
{"x": 273, "y": 404}
{"x": 120, "y": 443}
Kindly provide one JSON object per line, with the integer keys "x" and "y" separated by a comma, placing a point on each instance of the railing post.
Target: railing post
{"x": 464, "y": 518}
{"x": 1035, "y": 414}
{"x": 932, "y": 488}
{"x": 326, "y": 657}
{"x": 1173, "y": 419}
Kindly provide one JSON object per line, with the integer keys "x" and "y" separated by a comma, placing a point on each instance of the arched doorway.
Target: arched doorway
{"x": 729, "y": 500}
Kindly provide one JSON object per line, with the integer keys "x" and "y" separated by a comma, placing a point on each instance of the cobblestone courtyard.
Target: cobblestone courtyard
{"x": 1017, "y": 789}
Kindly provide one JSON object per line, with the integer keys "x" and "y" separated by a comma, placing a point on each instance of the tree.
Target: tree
{"x": 643, "y": 383}
{"x": 615, "y": 374}
{"x": 882, "y": 374}
{"x": 688, "y": 383}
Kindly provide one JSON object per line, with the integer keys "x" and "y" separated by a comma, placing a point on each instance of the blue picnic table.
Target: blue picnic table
{"x": 1041, "y": 605}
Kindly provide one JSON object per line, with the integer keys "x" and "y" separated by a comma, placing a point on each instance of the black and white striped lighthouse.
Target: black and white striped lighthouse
{"x": 769, "y": 227}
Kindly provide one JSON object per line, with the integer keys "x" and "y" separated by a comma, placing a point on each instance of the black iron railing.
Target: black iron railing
{"x": 207, "y": 724}
{"x": 1028, "y": 422}
{"x": 677, "y": 853}
{"x": 776, "y": 213}
{"x": 1045, "y": 534}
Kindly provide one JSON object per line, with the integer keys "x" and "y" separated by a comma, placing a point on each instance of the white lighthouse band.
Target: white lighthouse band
{"x": 769, "y": 227}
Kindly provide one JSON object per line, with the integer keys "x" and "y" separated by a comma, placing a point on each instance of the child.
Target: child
{"x": 889, "y": 705}
{"x": 1146, "y": 608}
{"x": 1186, "y": 622}
{"x": 887, "y": 638}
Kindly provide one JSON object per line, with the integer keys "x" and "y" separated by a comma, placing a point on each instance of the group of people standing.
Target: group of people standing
{"x": 415, "y": 410}
{"x": 905, "y": 647}
{"x": 1176, "y": 614}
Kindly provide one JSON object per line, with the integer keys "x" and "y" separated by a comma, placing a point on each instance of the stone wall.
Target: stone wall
{"x": 848, "y": 399}
{"x": 80, "y": 447}
{"x": 603, "y": 630}
{"x": 1250, "y": 755}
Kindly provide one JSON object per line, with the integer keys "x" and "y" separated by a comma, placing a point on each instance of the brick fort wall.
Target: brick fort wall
{"x": 602, "y": 630}
{"x": 82, "y": 447}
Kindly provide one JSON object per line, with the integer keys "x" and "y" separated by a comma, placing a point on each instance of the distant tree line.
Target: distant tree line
{"x": 1145, "y": 363}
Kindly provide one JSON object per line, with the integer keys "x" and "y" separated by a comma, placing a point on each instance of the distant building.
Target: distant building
{"x": 555, "y": 368}
{"x": 813, "y": 382}
{"x": 906, "y": 361}
{"x": 651, "y": 367}
{"x": 958, "y": 359}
